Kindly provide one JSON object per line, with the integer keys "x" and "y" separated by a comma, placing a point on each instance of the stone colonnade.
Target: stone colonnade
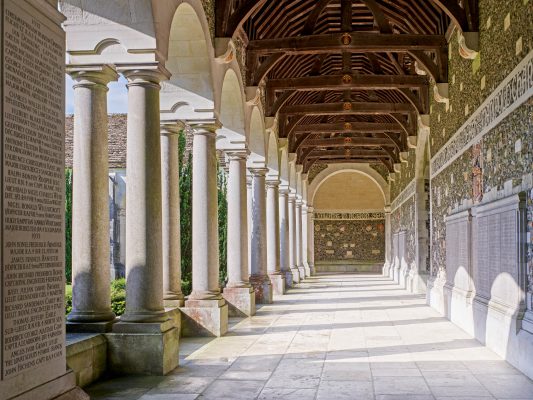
{"x": 268, "y": 251}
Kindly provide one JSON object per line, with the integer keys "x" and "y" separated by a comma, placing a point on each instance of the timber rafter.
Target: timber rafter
{"x": 345, "y": 77}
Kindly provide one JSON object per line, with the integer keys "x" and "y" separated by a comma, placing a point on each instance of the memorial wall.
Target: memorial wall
{"x": 481, "y": 144}
{"x": 32, "y": 293}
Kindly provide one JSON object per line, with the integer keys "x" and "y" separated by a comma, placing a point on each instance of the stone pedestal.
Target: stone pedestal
{"x": 143, "y": 348}
{"x": 262, "y": 287}
{"x": 241, "y": 301}
{"x": 204, "y": 318}
{"x": 277, "y": 281}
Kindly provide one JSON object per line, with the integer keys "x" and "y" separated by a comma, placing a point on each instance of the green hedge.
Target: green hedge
{"x": 118, "y": 297}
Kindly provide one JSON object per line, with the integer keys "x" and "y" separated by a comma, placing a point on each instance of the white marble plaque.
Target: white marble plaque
{"x": 33, "y": 196}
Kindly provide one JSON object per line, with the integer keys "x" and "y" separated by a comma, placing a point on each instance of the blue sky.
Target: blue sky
{"x": 117, "y": 97}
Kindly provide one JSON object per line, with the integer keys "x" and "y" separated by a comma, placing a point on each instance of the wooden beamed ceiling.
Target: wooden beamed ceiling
{"x": 347, "y": 79}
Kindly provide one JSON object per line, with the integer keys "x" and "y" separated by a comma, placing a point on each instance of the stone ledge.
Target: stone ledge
{"x": 87, "y": 357}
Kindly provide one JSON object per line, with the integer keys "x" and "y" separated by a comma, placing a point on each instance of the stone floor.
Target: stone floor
{"x": 335, "y": 337}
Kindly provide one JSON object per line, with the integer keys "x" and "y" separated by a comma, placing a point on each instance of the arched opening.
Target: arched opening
{"x": 231, "y": 115}
{"x": 188, "y": 94}
{"x": 349, "y": 223}
{"x": 257, "y": 139}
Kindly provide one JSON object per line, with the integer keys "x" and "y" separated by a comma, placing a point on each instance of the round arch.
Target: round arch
{"x": 231, "y": 114}
{"x": 257, "y": 137}
{"x": 273, "y": 156}
{"x": 189, "y": 93}
{"x": 335, "y": 169}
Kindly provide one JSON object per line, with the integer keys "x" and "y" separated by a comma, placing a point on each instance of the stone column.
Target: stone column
{"x": 273, "y": 249}
{"x": 305, "y": 233}
{"x": 91, "y": 297}
{"x": 311, "y": 239}
{"x": 238, "y": 292}
{"x": 387, "y": 267}
{"x": 284, "y": 235}
{"x": 170, "y": 191}
{"x": 299, "y": 246}
{"x": 259, "y": 278}
{"x": 206, "y": 311}
{"x": 292, "y": 238}
{"x": 249, "y": 196}
{"x": 145, "y": 326}
{"x": 144, "y": 264}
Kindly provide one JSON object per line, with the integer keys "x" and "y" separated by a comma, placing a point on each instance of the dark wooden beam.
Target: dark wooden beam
{"x": 352, "y": 42}
{"x": 349, "y": 127}
{"x": 308, "y": 164}
{"x": 343, "y": 82}
{"x": 348, "y": 142}
{"x": 347, "y": 153}
{"x": 354, "y": 108}
{"x": 228, "y": 19}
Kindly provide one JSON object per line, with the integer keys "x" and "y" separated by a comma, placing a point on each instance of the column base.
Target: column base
{"x": 288, "y": 278}
{"x": 295, "y": 275}
{"x": 137, "y": 348}
{"x": 277, "y": 281}
{"x": 241, "y": 301}
{"x": 173, "y": 300}
{"x": 263, "y": 289}
{"x": 301, "y": 269}
{"x": 205, "y": 317}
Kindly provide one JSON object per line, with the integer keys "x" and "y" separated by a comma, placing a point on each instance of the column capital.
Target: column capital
{"x": 205, "y": 128}
{"x": 144, "y": 74}
{"x": 239, "y": 155}
{"x": 387, "y": 209}
{"x": 284, "y": 189}
{"x": 89, "y": 75}
{"x": 272, "y": 183}
{"x": 310, "y": 209}
{"x": 292, "y": 197}
{"x": 169, "y": 128}
{"x": 262, "y": 171}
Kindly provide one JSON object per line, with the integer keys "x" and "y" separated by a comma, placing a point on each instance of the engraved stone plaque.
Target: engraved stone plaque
{"x": 32, "y": 292}
{"x": 500, "y": 254}
{"x": 458, "y": 251}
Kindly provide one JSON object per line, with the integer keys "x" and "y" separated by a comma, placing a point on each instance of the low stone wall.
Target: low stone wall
{"x": 87, "y": 356}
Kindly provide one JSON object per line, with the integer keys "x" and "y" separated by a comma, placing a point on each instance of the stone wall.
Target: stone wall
{"x": 403, "y": 220}
{"x": 350, "y": 240}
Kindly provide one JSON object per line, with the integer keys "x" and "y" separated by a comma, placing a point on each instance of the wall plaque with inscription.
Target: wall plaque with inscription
{"x": 32, "y": 323}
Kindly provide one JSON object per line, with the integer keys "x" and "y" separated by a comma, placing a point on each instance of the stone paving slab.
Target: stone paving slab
{"x": 334, "y": 337}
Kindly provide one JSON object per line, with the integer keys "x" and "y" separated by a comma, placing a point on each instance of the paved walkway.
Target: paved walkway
{"x": 336, "y": 337}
